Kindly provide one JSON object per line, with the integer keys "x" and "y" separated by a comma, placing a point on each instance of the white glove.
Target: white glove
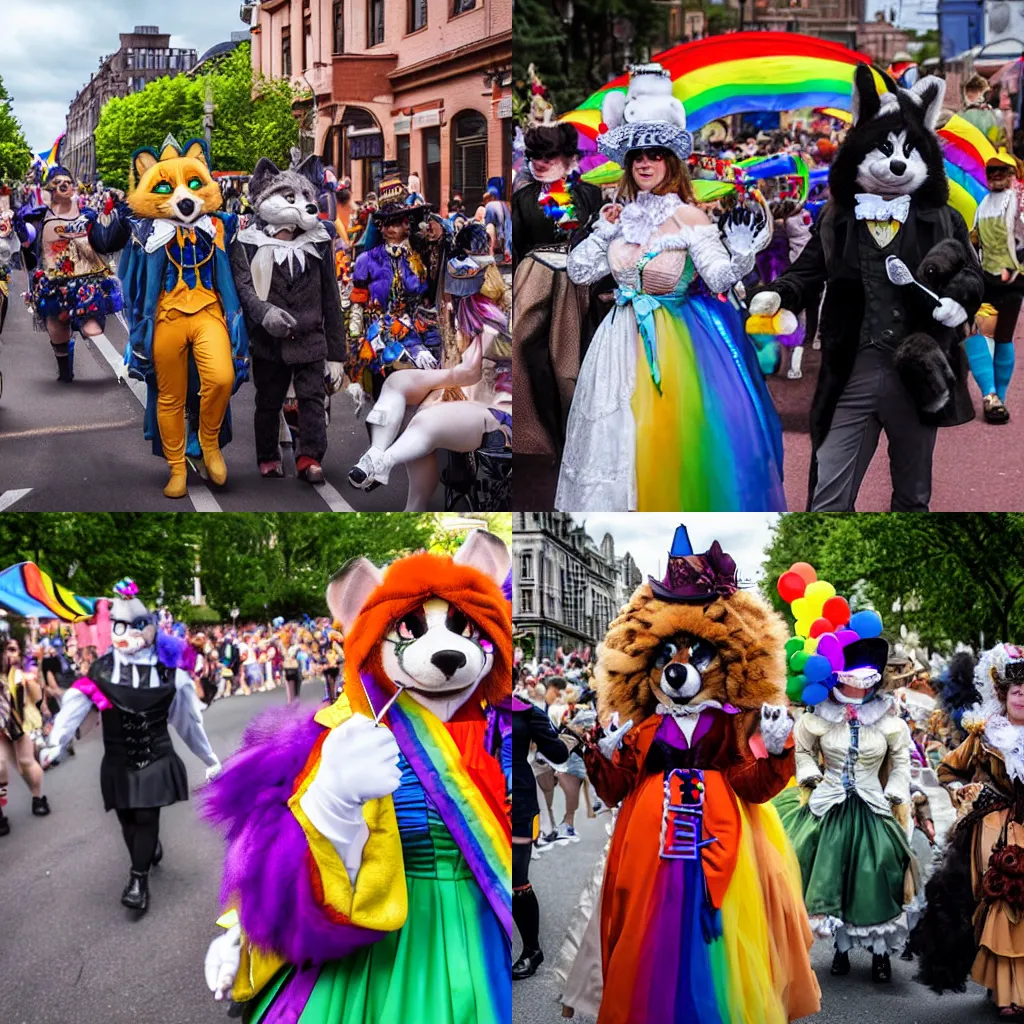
{"x": 776, "y": 725}
{"x": 745, "y": 232}
{"x": 358, "y": 762}
{"x": 765, "y": 304}
{"x": 222, "y": 959}
{"x": 213, "y": 771}
{"x": 358, "y": 396}
{"x": 426, "y": 360}
{"x": 48, "y": 755}
{"x": 949, "y": 313}
{"x": 336, "y": 375}
{"x": 613, "y": 736}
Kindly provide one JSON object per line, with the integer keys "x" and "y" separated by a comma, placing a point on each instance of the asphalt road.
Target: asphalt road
{"x": 977, "y": 467}
{"x": 560, "y": 874}
{"x": 69, "y": 952}
{"x": 79, "y": 447}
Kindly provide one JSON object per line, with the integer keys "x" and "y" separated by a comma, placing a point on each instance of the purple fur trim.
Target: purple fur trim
{"x": 174, "y": 652}
{"x": 266, "y": 867}
{"x": 506, "y": 587}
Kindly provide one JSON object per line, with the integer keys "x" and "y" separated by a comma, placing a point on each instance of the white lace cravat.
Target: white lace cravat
{"x": 641, "y": 218}
{"x": 872, "y": 207}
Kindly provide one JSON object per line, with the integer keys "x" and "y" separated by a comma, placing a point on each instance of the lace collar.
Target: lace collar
{"x": 867, "y": 714}
{"x": 1008, "y": 739}
{"x": 271, "y": 250}
{"x": 641, "y": 218}
{"x": 690, "y": 710}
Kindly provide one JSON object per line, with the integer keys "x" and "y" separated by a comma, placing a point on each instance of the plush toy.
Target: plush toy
{"x": 891, "y": 353}
{"x": 188, "y": 340}
{"x": 284, "y": 270}
{"x": 368, "y": 847}
{"x": 697, "y": 740}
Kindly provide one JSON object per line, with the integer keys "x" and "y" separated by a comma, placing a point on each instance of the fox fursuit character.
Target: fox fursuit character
{"x": 188, "y": 340}
{"x": 891, "y": 358}
{"x": 701, "y": 916}
{"x": 284, "y": 268}
{"x": 369, "y": 866}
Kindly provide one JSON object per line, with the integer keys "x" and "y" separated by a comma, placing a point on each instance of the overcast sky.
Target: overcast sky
{"x": 49, "y": 49}
{"x": 648, "y": 536}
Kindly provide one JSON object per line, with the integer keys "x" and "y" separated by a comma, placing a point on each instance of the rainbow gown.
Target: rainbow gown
{"x": 705, "y": 437}
{"x": 447, "y": 965}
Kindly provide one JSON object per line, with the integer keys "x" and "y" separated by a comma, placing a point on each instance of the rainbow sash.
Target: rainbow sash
{"x": 434, "y": 757}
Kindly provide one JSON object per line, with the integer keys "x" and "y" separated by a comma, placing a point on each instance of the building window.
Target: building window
{"x": 461, "y": 6}
{"x": 339, "y": 27}
{"x": 469, "y": 157}
{"x": 307, "y": 37}
{"x": 417, "y": 15}
{"x": 375, "y": 23}
{"x": 286, "y": 51}
{"x": 403, "y": 144}
{"x": 526, "y": 602}
{"x": 526, "y": 565}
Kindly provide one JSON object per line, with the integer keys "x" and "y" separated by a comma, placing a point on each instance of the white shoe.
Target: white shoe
{"x": 566, "y": 834}
{"x": 376, "y": 467}
{"x": 792, "y": 374}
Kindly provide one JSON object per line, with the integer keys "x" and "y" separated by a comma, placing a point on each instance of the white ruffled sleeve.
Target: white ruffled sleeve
{"x": 718, "y": 269}
{"x": 588, "y": 262}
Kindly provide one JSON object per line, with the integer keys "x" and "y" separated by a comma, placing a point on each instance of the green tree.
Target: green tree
{"x": 252, "y": 118}
{"x": 951, "y": 577}
{"x": 15, "y": 156}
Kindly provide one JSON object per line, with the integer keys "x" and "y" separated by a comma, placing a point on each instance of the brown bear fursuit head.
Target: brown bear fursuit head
{"x": 748, "y": 671}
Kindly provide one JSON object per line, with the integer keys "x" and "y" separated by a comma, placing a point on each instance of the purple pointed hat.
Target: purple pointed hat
{"x": 691, "y": 577}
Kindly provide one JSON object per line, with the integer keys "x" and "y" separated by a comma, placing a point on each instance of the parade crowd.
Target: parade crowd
{"x": 651, "y": 308}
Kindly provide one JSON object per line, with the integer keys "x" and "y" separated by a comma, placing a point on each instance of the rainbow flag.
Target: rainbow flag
{"x": 743, "y": 72}
{"x": 434, "y": 757}
{"x": 49, "y": 156}
{"x": 26, "y": 590}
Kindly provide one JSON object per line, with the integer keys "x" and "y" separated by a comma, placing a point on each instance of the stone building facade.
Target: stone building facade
{"x": 567, "y": 589}
{"x": 144, "y": 54}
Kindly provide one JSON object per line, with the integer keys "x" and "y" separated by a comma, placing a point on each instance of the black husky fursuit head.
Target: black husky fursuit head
{"x": 891, "y": 148}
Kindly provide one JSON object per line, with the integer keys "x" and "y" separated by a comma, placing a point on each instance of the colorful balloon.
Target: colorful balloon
{"x": 804, "y": 571}
{"x": 814, "y": 693}
{"x": 847, "y": 637}
{"x": 793, "y": 644}
{"x": 795, "y": 687}
{"x": 819, "y": 627}
{"x": 798, "y": 661}
{"x": 830, "y": 648}
{"x": 837, "y": 610}
{"x": 801, "y": 609}
{"x": 811, "y": 644}
{"x": 791, "y": 586}
{"x": 803, "y": 627}
{"x": 867, "y": 623}
{"x": 817, "y": 669}
{"x": 819, "y": 592}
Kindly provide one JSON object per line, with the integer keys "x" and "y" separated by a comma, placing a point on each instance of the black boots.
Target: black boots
{"x": 136, "y": 892}
{"x": 841, "y": 963}
{"x": 881, "y": 969}
{"x": 526, "y": 966}
{"x": 64, "y": 372}
{"x": 5, "y": 825}
{"x": 158, "y": 854}
{"x": 40, "y": 807}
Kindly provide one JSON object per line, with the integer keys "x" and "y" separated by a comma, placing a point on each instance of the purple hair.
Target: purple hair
{"x": 506, "y": 587}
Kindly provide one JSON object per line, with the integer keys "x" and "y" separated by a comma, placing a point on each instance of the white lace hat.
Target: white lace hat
{"x": 646, "y": 116}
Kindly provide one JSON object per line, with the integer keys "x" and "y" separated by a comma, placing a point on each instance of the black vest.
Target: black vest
{"x": 884, "y": 323}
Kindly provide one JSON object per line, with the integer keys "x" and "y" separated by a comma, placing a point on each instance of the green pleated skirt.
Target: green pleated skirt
{"x": 852, "y": 861}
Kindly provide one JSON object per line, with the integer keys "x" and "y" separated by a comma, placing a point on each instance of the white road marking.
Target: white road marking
{"x": 200, "y": 496}
{"x": 8, "y": 498}
{"x": 20, "y": 435}
{"x": 334, "y": 500}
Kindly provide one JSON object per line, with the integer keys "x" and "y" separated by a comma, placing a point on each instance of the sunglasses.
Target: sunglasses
{"x": 118, "y": 628}
{"x": 654, "y": 155}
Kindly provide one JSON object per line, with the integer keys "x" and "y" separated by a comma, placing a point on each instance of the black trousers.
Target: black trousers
{"x": 140, "y": 827}
{"x": 272, "y": 379}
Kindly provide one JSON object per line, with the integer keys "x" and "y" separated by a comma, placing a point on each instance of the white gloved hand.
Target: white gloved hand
{"x": 949, "y": 313}
{"x": 613, "y": 736}
{"x": 776, "y": 725}
{"x": 765, "y": 304}
{"x": 336, "y": 376}
{"x": 222, "y": 960}
{"x": 358, "y": 762}
{"x": 48, "y": 755}
{"x": 213, "y": 770}
{"x": 745, "y": 231}
{"x": 358, "y": 396}
{"x": 425, "y": 360}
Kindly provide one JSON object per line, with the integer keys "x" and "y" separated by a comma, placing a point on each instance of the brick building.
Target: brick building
{"x": 144, "y": 54}
{"x": 426, "y": 83}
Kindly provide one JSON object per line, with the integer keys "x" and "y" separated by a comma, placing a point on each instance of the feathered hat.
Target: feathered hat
{"x": 646, "y": 116}
{"x": 1005, "y": 663}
